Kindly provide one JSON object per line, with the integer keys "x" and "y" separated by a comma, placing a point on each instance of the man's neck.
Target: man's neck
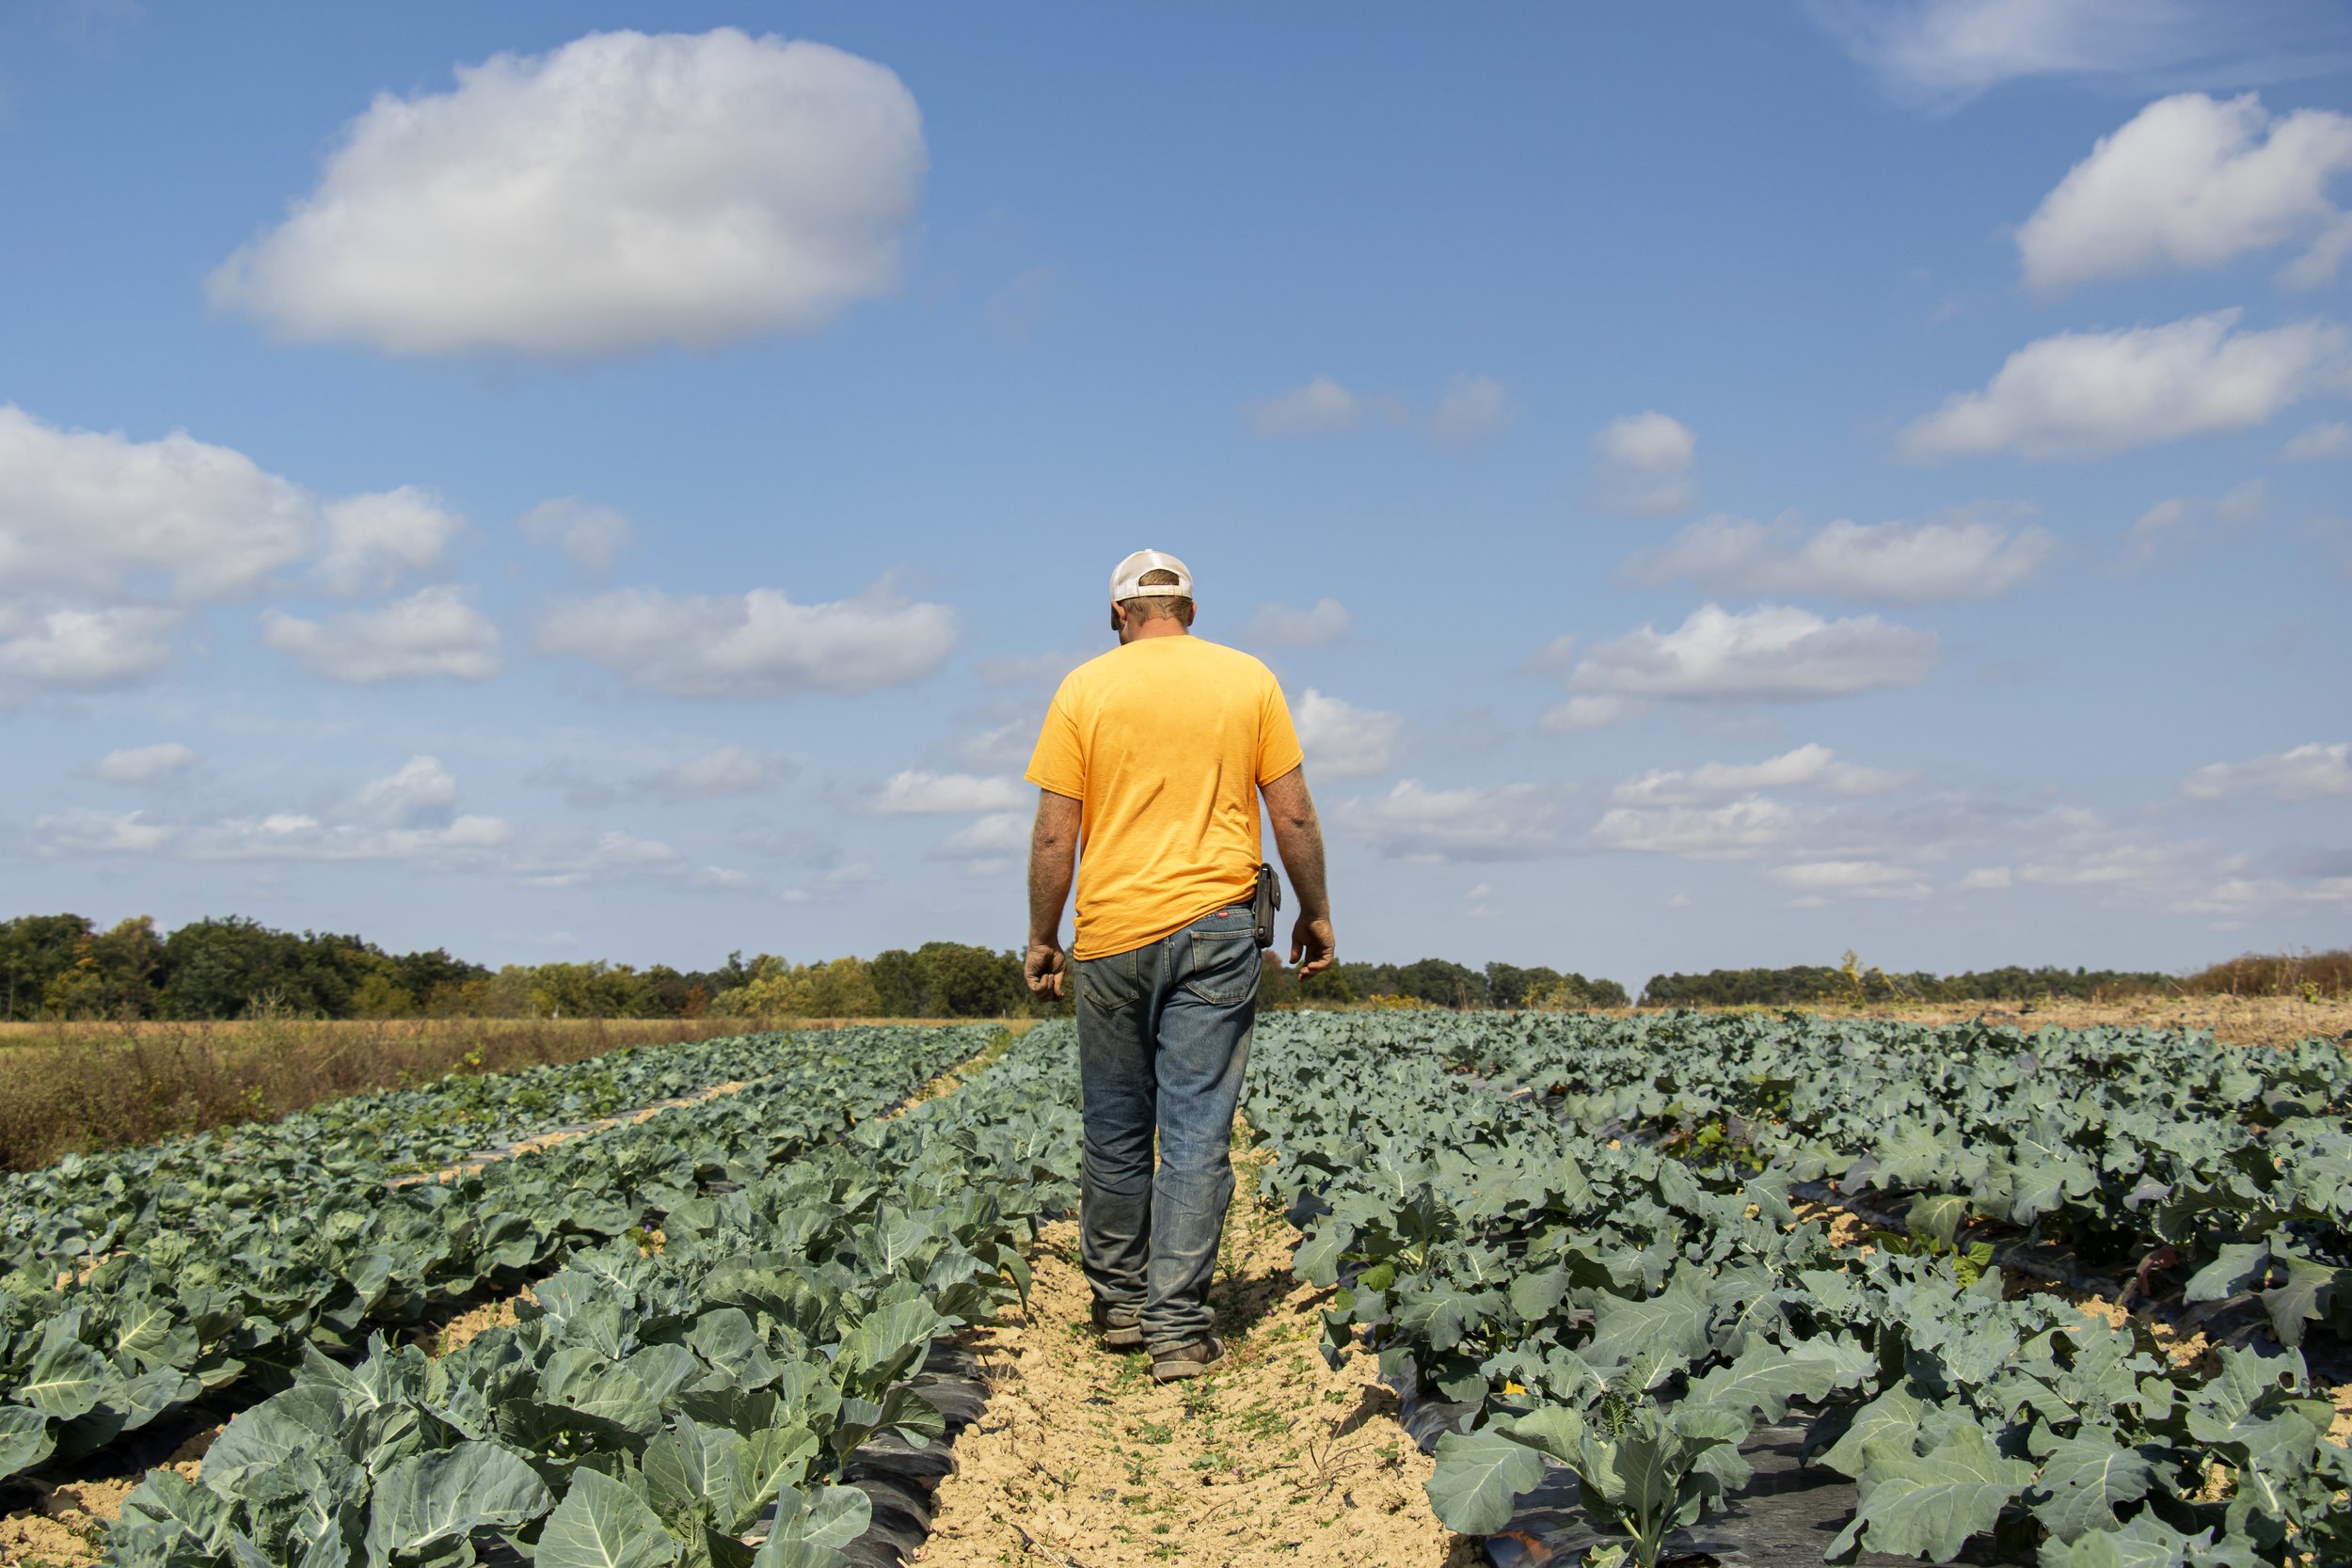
{"x": 1165, "y": 625}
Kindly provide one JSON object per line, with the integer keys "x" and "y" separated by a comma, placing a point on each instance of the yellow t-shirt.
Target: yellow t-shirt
{"x": 1164, "y": 742}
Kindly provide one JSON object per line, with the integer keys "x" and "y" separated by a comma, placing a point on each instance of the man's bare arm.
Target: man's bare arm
{"x": 1298, "y": 838}
{"x": 1052, "y": 861}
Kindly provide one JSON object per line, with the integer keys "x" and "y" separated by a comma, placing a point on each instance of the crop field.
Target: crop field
{"x": 72, "y": 1087}
{"x": 1741, "y": 1288}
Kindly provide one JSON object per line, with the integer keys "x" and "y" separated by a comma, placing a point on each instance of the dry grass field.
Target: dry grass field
{"x": 68, "y": 1087}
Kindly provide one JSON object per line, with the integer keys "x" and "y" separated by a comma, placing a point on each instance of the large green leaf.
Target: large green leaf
{"x": 24, "y": 1439}
{"x": 1892, "y": 1417}
{"x": 1930, "y": 1505}
{"x": 1479, "y": 1475}
{"x": 2147, "y": 1542}
{"x": 811, "y": 1528}
{"x": 65, "y": 1380}
{"x": 1554, "y": 1429}
{"x": 580, "y": 1379}
{"x": 431, "y": 1498}
{"x": 2239, "y": 1266}
{"x": 1658, "y": 1335}
{"x": 1767, "y": 1379}
{"x": 168, "y": 1520}
{"x": 2082, "y": 1480}
{"x": 884, "y": 1343}
{"x": 767, "y": 1462}
{"x": 602, "y": 1524}
{"x": 304, "y": 1419}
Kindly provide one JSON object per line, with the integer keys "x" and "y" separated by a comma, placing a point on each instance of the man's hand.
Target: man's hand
{"x": 1043, "y": 969}
{"x": 1312, "y": 948}
{"x": 1298, "y": 834}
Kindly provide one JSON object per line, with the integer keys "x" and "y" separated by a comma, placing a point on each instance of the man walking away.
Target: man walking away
{"x": 1151, "y": 761}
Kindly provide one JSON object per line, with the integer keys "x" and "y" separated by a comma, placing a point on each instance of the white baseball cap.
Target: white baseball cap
{"x": 1126, "y": 578}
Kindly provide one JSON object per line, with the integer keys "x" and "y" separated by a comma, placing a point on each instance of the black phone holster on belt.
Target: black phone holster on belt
{"x": 1267, "y": 899}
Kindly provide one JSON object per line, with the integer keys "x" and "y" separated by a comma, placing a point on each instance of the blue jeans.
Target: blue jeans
{"x": 1163, "y": 1042}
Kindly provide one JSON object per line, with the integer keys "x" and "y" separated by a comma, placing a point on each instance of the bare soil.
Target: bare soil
{"x": 66, "y": 1526}
{"x": 1079, "y": 1457}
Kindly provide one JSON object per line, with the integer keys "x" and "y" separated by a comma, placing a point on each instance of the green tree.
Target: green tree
{"x": 221, "y": 968}
{"x": 380, "y": 994}
{"x": 130, "y": 960}
{"x": 598, "y": 989}
{"x": 34, "y": 950}
{"x": 947, "y": 979}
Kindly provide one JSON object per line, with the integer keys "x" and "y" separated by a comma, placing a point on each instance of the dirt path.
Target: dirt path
{"x": 1080, "y": 1458}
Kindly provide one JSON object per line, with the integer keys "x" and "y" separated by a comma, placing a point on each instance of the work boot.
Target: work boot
{"x": 1120, "y": 1327}
{"x": 1189, "y": 1359}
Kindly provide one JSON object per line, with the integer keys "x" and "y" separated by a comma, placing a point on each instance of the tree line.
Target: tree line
{"x": 64, "y": 966}
{"x": 2314, "y": 974}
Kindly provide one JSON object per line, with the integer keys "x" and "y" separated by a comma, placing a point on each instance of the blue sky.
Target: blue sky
{"x": 1720, "y": 486}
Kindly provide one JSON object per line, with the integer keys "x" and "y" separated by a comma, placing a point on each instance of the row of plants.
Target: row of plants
{"x": 2185, "y": 1165}
{"x": 87, "y": 1203}
{"x": 1631, "y": 1317}
{"x": 694, "y": 1402}
{"x": 236, "y": 1270}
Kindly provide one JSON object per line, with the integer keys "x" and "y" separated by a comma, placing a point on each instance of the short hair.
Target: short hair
{"x": 1154, "y": 607}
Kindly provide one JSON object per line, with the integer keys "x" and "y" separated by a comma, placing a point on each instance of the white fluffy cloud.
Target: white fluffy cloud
{"x": 373, "y": 540}
{"x": 96, "y": 528}
{"x": 1940, "y": 52}
{"x": 96, "y": 512}
{"x": 2080, "y": 394}
{"x": 408, "y": 817}
{"x": 2192, "y": 182}
{"x": 1770, "y": 653}
{"x": 1472, "y": 408}
{"x": 1646, "y": 466}
{"x": 1317, "y": 408}
{"x": 432, "y": 632}
{"x": 422, "y": 791}
{"x": 464, "y": 841}
{"x": 1345, "y": 742}
{"x": 84, "y": 511}
{"x": 83, "y": 831}
{"x": 1497, "y": 822}
{"x": 912, "y": 793}
{"x": 755, "y": 645}
{"x": 566, "y": 860}
{"x": 621, "y": 192}
{"x": 1901, "y": 562}
{"x": 995, "y": 839}
{"x": 1860, "y": 879}
{"x": 2332, "y": 439}
{"x": 144, "y": 763}
{"x": 1811, "y": 767}
{"x": 1733, "y": 831}
{"x": 1281, "y": 626}
{"x": 81, "y": 649}
{"x": 1587, "y": 713}
{"x": 2310, "y": 772}
{"x": 589, "y": 536}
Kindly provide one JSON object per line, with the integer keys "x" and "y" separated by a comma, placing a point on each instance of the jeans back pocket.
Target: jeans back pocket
{"x": 1222, "y": 964}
